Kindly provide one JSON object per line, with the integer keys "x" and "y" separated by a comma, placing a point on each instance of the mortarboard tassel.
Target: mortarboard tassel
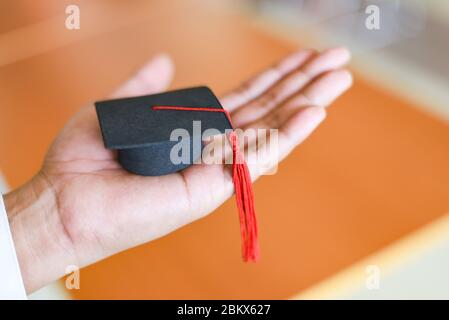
{"x": 243, "y": 189}
{"x": 245, "y": 202}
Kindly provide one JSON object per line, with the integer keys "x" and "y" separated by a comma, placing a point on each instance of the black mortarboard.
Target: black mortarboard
{"x": 139, "y": 128}
{"x": 142, "y": 135}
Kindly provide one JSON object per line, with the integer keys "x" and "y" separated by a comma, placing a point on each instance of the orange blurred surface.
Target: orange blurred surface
{"x": 376, "y": 169}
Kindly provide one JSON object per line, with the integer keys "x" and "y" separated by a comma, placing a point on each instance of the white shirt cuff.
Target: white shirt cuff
{"x": 11, "y": 283}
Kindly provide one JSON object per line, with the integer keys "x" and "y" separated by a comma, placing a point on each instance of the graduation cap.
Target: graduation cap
{"x": 140, "y": 129}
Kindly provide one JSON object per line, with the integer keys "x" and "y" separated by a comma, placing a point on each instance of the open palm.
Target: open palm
{"x": 103, "y": 209}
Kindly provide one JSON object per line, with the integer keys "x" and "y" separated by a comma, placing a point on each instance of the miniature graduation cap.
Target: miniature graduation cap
{"x": 139, "y": 128}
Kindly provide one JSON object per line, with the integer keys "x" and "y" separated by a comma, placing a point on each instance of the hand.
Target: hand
{"x": 82, "y": 206}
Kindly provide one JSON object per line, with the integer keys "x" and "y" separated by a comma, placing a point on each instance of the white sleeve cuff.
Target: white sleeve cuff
{"x": 11, "y": 283}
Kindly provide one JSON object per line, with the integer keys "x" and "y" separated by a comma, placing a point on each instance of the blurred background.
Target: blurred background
{"x": 360, "y": 210}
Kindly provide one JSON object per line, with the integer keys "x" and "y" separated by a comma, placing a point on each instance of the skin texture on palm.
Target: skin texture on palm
{"x": 83, "y": 207}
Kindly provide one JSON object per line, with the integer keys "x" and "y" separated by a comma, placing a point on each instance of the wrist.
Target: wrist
{"x": 42, "y": 247}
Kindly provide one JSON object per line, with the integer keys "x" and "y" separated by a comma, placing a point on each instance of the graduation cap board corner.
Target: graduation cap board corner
{"x": 139, "y": 128}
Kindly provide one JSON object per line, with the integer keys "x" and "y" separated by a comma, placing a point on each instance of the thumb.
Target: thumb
{"x": 153, "y": 77}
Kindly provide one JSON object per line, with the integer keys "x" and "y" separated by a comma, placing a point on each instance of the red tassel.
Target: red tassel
{"x": 243, "y": 189}
{"x": 245, "y": 202}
